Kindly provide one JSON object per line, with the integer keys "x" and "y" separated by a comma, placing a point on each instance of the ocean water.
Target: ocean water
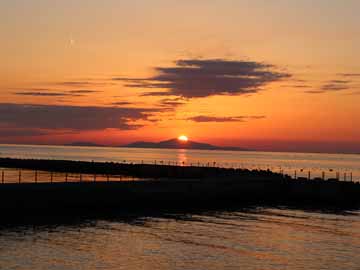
{"x": 302, "y": 163}
{"x": 259, "y": 238}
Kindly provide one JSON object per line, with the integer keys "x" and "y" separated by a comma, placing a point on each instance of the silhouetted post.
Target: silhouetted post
{"x": 94, "y": 177}
{"x": 80, "y": 177}
{"x": 51, "y": 177}
{"x": 344, "y": 176}
{"x": 36, "y": 176}
{"x": 19, "y": 176}
{"x": 2, "y": 177}
{"x": 323, "y": 175}
{"x": 107, "y": 178}
{"x": 295, "y": 176}
{"x": 66, "y": 177}
{"x": 309, "y": 175}
{"x": 351, "y": 177}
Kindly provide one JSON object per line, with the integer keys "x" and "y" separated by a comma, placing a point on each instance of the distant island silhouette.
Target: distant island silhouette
{"x": 177, "y": 144}
{"x": 167, "y": 144}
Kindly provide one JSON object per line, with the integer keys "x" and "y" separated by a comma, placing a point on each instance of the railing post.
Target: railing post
{"x": 295, "y": 175}
{"x": 19, "y": 176}
{"x": 2, "y": 176}
{"x": 51, "y": 177}
{"x": 36, "y": 176}
{"x": 95, "y": 177}
{"x": 309, "y": 175}
{"x": 351, "y": 179}
{"x": 345, "y": 177}
{"x": 80, "y": 177}
{"x": 323, "y": 175}
{"x": 66, "y": 178}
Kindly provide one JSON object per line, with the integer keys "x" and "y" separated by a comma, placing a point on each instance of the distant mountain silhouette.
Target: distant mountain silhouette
{"x": 177, "y": 144}
{"x": 88, "y": 144}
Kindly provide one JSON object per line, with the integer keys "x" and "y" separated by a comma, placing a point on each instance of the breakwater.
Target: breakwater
{"x": 163, "y": 187}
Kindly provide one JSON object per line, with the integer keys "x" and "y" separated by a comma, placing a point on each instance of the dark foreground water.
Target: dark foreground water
{"x": 260, "y": 238}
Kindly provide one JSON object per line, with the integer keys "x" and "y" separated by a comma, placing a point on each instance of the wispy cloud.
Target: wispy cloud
{"x": 195, "y": 78}
{"x": 206, "y": 119}
{"x": 42, "y": 94}
{"x": 349, "y": 74}
{"x": 54, "y": 93}
{"x": 80, "y": 83}
{"x": 83, "y": 91}
{"x": 121, "y": 103}
{"x": 332, "y": 86}
{"x": 172, "y": 102}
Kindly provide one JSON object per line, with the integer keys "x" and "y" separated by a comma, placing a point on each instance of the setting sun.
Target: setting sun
{"x": 183, "y": 138}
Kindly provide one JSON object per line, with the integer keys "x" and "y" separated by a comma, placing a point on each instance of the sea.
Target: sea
{"x": 263, "y": 238}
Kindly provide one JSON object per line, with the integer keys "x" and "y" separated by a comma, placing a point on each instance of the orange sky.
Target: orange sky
{"x": 257, "y": 74}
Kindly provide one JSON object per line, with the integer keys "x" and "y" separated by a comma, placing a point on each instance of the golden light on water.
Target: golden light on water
{"x": 183, "y": 138}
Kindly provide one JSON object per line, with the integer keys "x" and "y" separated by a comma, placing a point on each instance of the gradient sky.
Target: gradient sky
{"x": 270, "y": 75}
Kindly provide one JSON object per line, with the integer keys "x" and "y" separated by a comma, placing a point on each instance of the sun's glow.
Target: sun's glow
{"x": 183, "y": 138}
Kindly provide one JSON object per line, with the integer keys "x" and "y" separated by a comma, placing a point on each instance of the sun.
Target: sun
{"x": 183, "y": 138}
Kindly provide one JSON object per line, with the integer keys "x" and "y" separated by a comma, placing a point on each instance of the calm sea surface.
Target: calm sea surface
{"x": 257, "y": 238}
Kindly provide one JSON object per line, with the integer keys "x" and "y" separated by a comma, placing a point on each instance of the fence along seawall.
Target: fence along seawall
{"x": 31, "y": 170}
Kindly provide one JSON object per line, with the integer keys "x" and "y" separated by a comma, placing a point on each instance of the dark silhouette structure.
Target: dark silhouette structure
{"x": 163, "y": 187}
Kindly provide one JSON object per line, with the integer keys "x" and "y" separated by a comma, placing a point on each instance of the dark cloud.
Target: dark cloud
{"x": 56, "y": 117}
{"x": 206, "y": 119}
{"x": 201, "y": 78}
